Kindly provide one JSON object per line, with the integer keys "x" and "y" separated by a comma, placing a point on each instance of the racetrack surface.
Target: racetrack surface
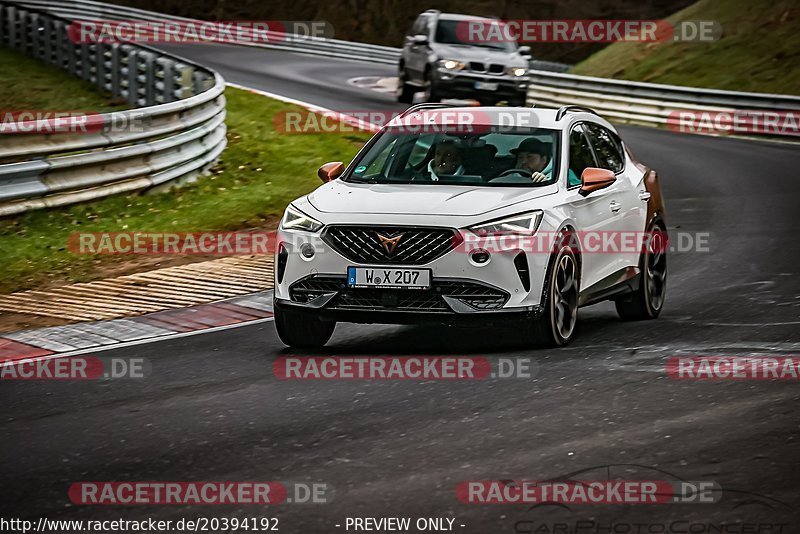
{"x": 213, "y": 409}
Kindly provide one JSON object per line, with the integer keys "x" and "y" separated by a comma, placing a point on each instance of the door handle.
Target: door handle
{"x": 644, "y": 196}
{"x": 615, "y": 206}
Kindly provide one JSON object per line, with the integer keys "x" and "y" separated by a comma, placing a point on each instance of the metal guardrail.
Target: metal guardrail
{"x": 186, "y": 109}
{"x": 648, "y": 103}
{"x": 179, "y": 131}
{"x": 318, "y": 46}
{"x": 619, "y": 100}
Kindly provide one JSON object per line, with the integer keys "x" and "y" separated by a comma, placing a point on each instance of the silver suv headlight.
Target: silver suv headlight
{"x": 517, "y": 71}
{"x": 294, "y": 219}
{"x": 451, "y": 64}
{"x": 522, "y": 224}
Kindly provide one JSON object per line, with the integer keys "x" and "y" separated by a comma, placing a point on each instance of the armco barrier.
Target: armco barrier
{"x": 178, "y": 130}
{"x": 185, "y": 107}
{"x": 619, "y": 100}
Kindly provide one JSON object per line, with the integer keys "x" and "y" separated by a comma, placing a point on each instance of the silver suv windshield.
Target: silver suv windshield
{"x": 453, "y": 32}
{"x": 523, "y": 157}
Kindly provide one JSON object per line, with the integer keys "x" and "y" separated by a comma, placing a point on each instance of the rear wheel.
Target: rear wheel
{"x": 405, "y": 92}
{"x": 302, "y": 331}
{"x": 646, "y": 302}
{"x": 562, "y": 286}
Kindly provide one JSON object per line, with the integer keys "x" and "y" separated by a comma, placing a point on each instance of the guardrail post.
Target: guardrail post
{"x": 133, "y": 76}
{"x": 185, "y": 82}
{"x": 115, "y": 85}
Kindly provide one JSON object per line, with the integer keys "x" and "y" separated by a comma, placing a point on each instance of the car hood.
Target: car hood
{"x": 477, "y": 53}
{"x": 413, "y": 199}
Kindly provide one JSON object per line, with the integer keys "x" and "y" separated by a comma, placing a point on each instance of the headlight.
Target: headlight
{"x": 522, "y": 224}
{"x": 451, "y": 64}
{"x": 295, "y": 219}
{"x": 517, "y": 71}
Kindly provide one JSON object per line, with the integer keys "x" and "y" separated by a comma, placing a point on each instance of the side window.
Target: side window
{"x": 580, "y": 155}
{"x": 607, "y": 147}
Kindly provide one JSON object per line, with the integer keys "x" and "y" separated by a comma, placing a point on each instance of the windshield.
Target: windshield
{"x": 453, "y": 32}
{"x": 523, "y": 157}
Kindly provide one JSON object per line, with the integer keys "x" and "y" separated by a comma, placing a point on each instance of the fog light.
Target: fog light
{"x": 307, "y": 250}
{"x": 479, "y": 256}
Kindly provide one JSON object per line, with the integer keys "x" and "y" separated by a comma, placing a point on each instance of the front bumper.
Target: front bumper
{"x": 501, "y": 317}
{"x": 462, "y": 84}
{"x": 461, "y": 290}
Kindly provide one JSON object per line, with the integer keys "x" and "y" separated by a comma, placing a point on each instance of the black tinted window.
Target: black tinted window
{"x": 607, "y": 147}
{"x": 580, "y": 154}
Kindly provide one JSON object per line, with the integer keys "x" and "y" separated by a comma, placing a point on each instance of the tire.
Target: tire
{"x": 648, "y": 300}
{"x": 516, "y": 102}
{"x": 556, "y": 327}
{"x": 302, "y": 331}
{"x": 405, "y": 92}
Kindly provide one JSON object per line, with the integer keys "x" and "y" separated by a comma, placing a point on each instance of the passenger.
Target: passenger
{"x": 446, "y": 160}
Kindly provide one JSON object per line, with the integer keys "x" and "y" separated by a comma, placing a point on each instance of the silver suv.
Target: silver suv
{"x": 440, "y": 60}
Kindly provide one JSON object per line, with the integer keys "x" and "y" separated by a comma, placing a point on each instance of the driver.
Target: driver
{"x": 534, "y": 156}
{"x": 446, "y": 160}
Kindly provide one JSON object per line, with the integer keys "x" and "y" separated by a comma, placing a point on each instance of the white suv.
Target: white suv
{"x": 504, "y": 216}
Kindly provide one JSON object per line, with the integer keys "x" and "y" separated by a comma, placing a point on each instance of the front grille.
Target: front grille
{"x": 478, "y": 296}
{"x": 416, "y": 246}
{"x": 494, "y": 68}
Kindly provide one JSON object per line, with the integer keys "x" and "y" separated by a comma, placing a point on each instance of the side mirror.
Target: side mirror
{"x": 330, "y": 171}
{"x": 593, "y": 179}
{"x": 524, "y": 50}
{"x": 420, "y": 39}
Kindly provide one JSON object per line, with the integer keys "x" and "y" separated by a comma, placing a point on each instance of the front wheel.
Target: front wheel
{"x": 301, "y": 331}
{"x": 562, "y": 287}
{"x": 646, "y": 302}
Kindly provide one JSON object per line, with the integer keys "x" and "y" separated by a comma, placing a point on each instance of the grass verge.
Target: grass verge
{"x": 28, "y": 84}
{"x": 259, "y": 173}
{"x": 759, "y": 51}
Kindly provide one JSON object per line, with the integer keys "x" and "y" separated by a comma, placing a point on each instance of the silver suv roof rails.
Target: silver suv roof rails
{"x": 425, "y": 105}
{"x": 564, "y": 109}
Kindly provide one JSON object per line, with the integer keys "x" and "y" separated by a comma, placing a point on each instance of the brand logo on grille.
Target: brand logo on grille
{"x": 389, "y": 243}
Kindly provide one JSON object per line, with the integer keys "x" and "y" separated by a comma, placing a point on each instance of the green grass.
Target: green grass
{"x": 28, "y": 84}
{"x": 759, "y": 51}
{"x": 259, "y": 173}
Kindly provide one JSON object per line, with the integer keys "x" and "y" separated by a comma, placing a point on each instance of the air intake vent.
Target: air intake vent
{"x": 521, "y": 263}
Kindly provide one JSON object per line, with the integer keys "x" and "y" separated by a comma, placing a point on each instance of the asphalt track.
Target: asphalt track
{"x": 213, "y": 410}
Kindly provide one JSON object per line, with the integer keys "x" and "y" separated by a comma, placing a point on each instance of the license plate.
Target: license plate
{"x": 390, "y": 278}
{"x": 486, "y": 86}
